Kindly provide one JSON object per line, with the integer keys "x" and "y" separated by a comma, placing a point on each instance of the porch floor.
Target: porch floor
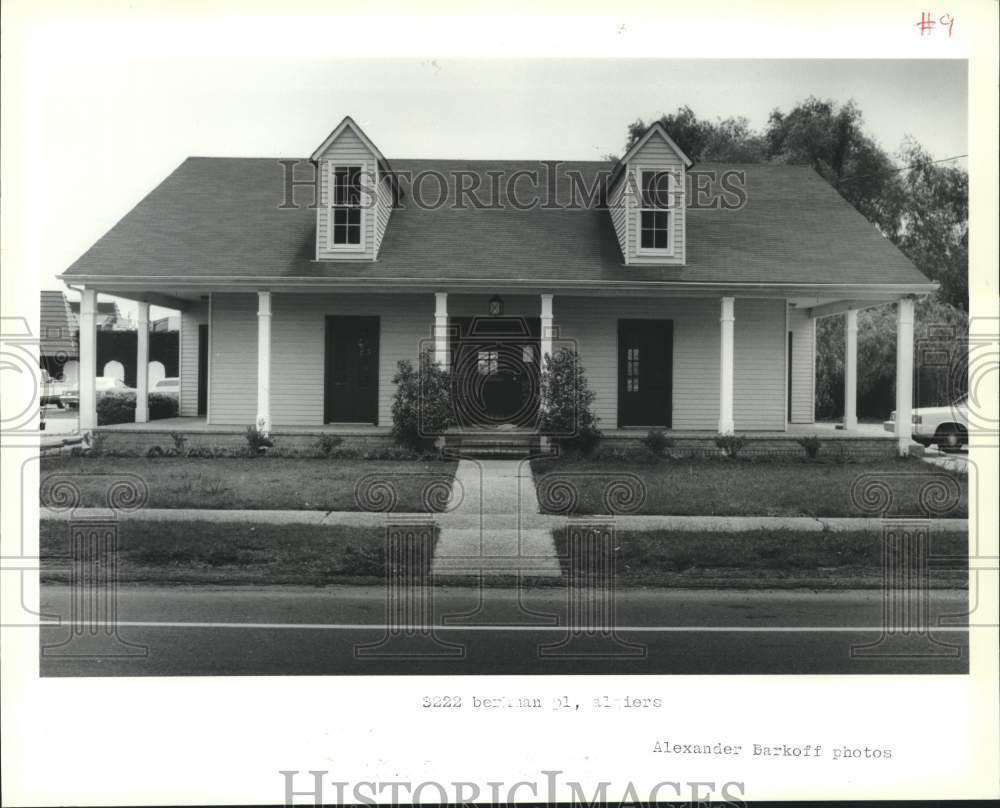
{"x": 199, "y": 424}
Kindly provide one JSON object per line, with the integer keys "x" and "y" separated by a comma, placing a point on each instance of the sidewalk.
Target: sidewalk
{"x": 718, "y": 524}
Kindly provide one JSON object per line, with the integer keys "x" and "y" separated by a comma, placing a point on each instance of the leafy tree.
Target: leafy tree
{"x": 918, "y": 204}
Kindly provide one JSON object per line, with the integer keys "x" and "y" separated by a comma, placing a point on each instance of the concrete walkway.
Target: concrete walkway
{"x": 491, "y": 524}
{"x": 474, "y": 519}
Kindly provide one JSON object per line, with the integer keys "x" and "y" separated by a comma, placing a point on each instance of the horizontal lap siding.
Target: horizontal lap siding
{"x": 591, "y": 326}
{"x": 803, "y": 330}
{"x": 191, "y": 318}
{"x": 346, "y": 150}
{"x": 383, "y": 212}
{"x": 233, "y": 364}
{"x": 759, "y": 359}
{"x": 657, "y": 154}
{"x": 619, "y": 213}
{"x": 298, "y": 328}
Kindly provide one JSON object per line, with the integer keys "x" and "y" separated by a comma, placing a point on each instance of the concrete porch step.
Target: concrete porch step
{"x": 501, "y": 443}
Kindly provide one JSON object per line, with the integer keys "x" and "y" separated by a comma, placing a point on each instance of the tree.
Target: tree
{"x": 918, "y": 204}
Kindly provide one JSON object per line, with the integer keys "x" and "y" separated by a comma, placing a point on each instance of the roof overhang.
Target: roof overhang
{"x": 183, "y": 289}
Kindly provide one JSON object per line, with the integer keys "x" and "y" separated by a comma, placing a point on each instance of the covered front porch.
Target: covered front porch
{"x": 690, "y": 363}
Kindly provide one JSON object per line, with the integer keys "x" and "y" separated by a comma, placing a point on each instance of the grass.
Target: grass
{"x": 767, "y": 557}
{"x": 231, "y": 554}
{"x": 255, "y": 483}
{"x": 744, "y": 487}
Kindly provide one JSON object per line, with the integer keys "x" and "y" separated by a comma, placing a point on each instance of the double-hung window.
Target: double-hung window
{"x": 345, "y": 222}
{"x": 656, "y": 212}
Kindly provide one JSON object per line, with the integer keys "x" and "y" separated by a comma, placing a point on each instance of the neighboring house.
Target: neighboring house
{"x": 58, "y": 349}
{"x": 172, "y": 322}
{"x": 108, "y": 317}
{"x": 690, "y": 310}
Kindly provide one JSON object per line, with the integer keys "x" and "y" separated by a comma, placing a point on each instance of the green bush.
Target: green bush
{"x": 566, "y": 411}
{"x": 161, "y": 406}
{"x": 257, "y": 440}
{"x": 730, "y": 444}
{"x": 119, "y": 408}
{"x": 811, "y": 444}
{"x": 657, "y": 442}
{"x": 328, "y": 443}
{"x": 115, "y": 408}
{"x": 422, "y": 407}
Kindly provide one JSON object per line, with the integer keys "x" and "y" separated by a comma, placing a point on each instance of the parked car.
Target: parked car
{"x": 103, "y": 384}
{"x": 947, "y": 426}
{"x": 50, "y": 391}
{"x": 170, "y": 386}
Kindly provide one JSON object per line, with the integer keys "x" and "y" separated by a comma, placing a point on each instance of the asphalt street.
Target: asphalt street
{"x": 179, "y": 631}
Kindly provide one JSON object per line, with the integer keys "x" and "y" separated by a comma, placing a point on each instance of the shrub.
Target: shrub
{"x": 422, "y": 407}
{"x": 730, "y": 444}
{"x": 119, "y": 408}
{"x": 161, "y": 406}
{"x": 657, "y": 442}
{"x": 566, "y": 411}
{"x": 115, "y": 408}
{"x": 811, "y": 444}
{"x": 327, "y": 443}
{"x": 180, "y": 441}
{"x": 257, "y": 440}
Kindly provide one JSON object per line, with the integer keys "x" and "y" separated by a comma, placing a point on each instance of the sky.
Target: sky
{"x": 115, "y": 124}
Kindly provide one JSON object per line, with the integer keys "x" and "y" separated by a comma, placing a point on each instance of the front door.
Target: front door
{"x": 495, "y": 370}
{"x": 351, "y": 388}
{"x": 645, "y": 372}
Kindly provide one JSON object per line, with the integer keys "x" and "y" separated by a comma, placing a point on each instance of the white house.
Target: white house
{"x": 691, "y": 293}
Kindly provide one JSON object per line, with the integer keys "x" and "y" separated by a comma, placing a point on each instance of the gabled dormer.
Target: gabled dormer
{"x": 647, "y": 200}
{"x": 355, "y": 195}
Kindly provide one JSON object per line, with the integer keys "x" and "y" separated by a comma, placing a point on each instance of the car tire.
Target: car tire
{"x": 951, "y": 437}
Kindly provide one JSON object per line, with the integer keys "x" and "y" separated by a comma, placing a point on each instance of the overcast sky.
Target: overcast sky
{"x": 116, "y": 126}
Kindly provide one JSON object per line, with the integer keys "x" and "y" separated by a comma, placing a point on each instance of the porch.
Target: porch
{"x": 691, "y": 364}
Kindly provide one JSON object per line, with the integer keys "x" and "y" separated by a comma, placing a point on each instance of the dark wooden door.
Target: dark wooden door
{"x": 202, "y": 369}
{"x": 645, "y": 372}
{"x": 351, "y": 385}
{"x": 495, "y": 369}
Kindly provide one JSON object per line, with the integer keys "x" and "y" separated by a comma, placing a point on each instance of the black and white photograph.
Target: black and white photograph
{"x": 539, "y": 394}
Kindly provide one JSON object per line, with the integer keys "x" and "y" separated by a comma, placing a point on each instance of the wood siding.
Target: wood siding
{"x": 383, "y": 211}
{"x": 297, "y": 351}
{"x": 191, "y": 318}
{"x": 348, "y": 149}
{"x": 803, "y": 330}
{"x": 657, "y": 154}
{"x": 589, "y": 325}
{"x": 759, "y": 358}
{"x": 619, "y": 214}
{"x": 232, "y": 363}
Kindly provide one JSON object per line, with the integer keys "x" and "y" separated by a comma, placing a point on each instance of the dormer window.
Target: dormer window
{"x": 656, "y": 212}
{"x": 345, "y": 224}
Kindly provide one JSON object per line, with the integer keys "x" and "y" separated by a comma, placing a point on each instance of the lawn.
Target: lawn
{"x": 227, "y": 553}
{"x": 254, "y": 483}
{"x": 767, "y": 557}
{"x": 738, "y": 487}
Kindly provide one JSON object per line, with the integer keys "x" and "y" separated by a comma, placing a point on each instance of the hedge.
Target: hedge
{"x": 119, "y": 408}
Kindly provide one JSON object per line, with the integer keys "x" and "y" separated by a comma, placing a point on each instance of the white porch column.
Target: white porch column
{"x": 726, "y": 369}
{"x": 904, "y": 373}
{"x": 88, "y": 360}
{"x": 142, "y": 365}
{"x": 545, "y": 344}
{"x": 851, "y": 369}
{"x": 264, "y": 361}
{"x": 441, "y": 329}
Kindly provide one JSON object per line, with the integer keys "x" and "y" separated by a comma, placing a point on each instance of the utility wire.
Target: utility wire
{"x": 898, "y": 170}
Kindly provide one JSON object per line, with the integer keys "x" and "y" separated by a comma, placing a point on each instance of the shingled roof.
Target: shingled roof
{"x": 57, "y": 335}
{"x": 220, "y": 217}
